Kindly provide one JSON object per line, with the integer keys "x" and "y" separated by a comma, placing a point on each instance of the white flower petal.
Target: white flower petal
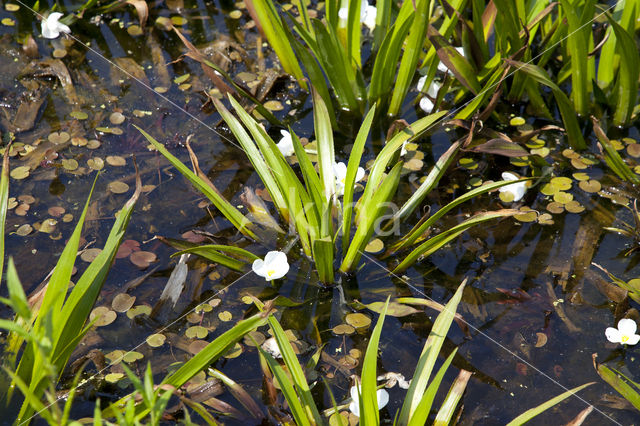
{"x": 340, "y": 170}
{"x": 421, "y": 81}
{"x": 633, "y": 339}
{"x": 286, "y": 144}
{"x": 613, "y": 335}
{"x": 343, "y": 13}
{"x": 359, "y": 174}
{"x": 369, "y": 16}
{"x": 627, "y": 326}
{"x": 383, "y": 398}
{"x": 273, "y": 267}
{"x": 516, "y": 189}
{"x": 51, "y": 28}
{"x": 426, "y": 104}
{"x": 381, "y": 395}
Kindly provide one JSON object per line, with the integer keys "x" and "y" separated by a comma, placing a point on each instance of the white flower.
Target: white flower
{"x": 367, "y": 14}
{"x": 273, "y": 266}
{"x": 426, "y": 104}
{"x": 340, "y": 172}
{"x": 51, "y": 28}
{"x": 286, "y": 144}
{"x": 625, "y": 333}
{"x": 382, "y": 396}
{"x": 516, "y": 189}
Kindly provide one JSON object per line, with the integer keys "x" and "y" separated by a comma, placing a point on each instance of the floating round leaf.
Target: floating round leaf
{"x": 142, "y": 259}
{"x": 225, "y": 316}
{"x": 116, "y": 160}
{"x": 115, "y": 356}
{"x": 527, "y": 215}
{"x": 20, "y": 172}
{"x": 26, "y": 198}
{"x": 548, "y": 189}
{"x": 590, "y": 186}
{"x": 580, "y": 176}
{"x": 116, "y": 118}
{"x": 273, "y": 105}
{"x": 118, "y": 187}
{"x": 468, "y": 163}
{"x": 562, "y": 197}
{"x": 139, "y": 310}
{"x": 348, "y": 361}
{"x": 215, "y": 302}
{"x": 235, "y": 14}
{"x": 358, "y": 320}
{"x": 194, "y": 317}
{"x": 203, "y": 307}
{"x": 375, "y": 246}
{"x": 555, "y": 207}
{"x": 58, "y": 137}
{"x": 113, "y": 377}
{"x": 578, "y": 163}
{"x": 79, "y": 115}
{"x": 574, "y": 207}
{"x": 181, "y": 79}
{"x": 341, "y": 329}
{"x": 11, "y": 7}
{"x": 562, "y": 183}
{"x": 79, "y": 141}
{"x": 59, "y": 53}
{"x": 545, "y": 219}
{"x": 22, "y": 210}
{"x": 134, "y": 30}
{"x": 156, "y": 340}
{"x": 48, "y": 225}
{"x": 69, "y": 164}
{"x": 541, "y": 340}
{"x": 67, "y": 218}
{"x": 24, "y": 230}
{"x": 103, "y": 316}
{"x": 196, "y": 331}
{"x": 93, "y": 144}
{"x": 122, "y": 302}
{"x": 132, "y": 356}
{"x": 89, "y": 255}
{"x": 95, "y": 163}
{"x": 178, "y": 20}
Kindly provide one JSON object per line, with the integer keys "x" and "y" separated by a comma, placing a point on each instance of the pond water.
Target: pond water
{"x": 534, "y": 312}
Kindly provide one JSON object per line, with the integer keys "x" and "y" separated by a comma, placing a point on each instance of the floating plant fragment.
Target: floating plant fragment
{"x": 625, "y": 333}
{"x": 273, "y": 267}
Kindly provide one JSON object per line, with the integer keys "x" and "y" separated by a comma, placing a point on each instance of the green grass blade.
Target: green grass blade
{"x": 412, "y": 52}
{"x": 421, "y": 414}
{"x": 352, "y": 168}
{"x": 531, "y": 413}
{"x": 435, "y": 243}
{"x": 4, "y": 202}
{"x": 326, "y": 154}
{"x": 612, "y": 158}
{"x": 226, "y": 208}
{"x": 369, "y": 411}
{"x": 447, "y": 410}
{"x": 619, "y": 383}
{"x": 428, "y": 357}
{"x": 354, "y": 29}
{"x": 288, "y": 389}
{"x": 430, "y": 182}
{"x": 417, "y": 232}
{"x": 627, "y": 84}
{"x": 374, "y": 208}
{"x": 265, "y": 14}
{"x": 295, "y": 369}
{"x": 574, "y": 133}
{"x": 210, "y": 253}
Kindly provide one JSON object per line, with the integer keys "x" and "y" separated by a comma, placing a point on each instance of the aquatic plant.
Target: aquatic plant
{"x": 52, "y": 27}
{"x": 310, "y": 205}
{"x": 273, "y": 267}
{"x": 49, "y": 328}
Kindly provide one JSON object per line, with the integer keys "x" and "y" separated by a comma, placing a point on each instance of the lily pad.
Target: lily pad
{"x": 103, "y": 316}
{"x": 118, "y": 187}
{"x": 138, "y": 310}
{"x": 225, "y": 316}
{"x": 132, "y": 356}
{"x": 358, "y": 320}
{"x": 196, "y": 331}
{"x": 156, "y": 340}
{"x": 20, "y": 172}
{"x": 24, "y": 230}
{"x": 90, "y": 254}
{"x": 122, "y": 302}
{"x": 345, "y": 329}
{"x": 142, "y": 259}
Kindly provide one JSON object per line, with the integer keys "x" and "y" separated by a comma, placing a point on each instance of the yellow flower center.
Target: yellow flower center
{"x": 624, "y": 338}
{"x": 271, "y": 272}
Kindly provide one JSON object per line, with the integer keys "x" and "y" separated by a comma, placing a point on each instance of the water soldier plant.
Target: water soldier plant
{"x": 312, "y": 206}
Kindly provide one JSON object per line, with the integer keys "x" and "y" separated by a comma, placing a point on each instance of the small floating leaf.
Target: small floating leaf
{"x": 139, "y": 310}
{"x": 555, "y": 207}
{"x": 20, "y": 172}
{"x": 116, "y": 118}
{"x": 541, "y": 340}
{"x": 590, "y": 186}
{"x": 116, "y": 160}
{"x": 341, "y": 329}
{"x": 196, "y": 331}
{"x": 24, "y": 230}
{"x": 95, "y": 163}
{"x": 113, "y": 377}
{"x": 11, "y": 7}
{"x": 574, "y": 207}
{"x": 375, "y": 246}
{"x": 234, "y": 352}
{"x": 58, "y": 137}
{"x": 103, "y": 316}
{"x": 235, "y": 14}
{"x": 517, "y": 121}
{"x": 225, "y": 316}
{"x": 562, "y": 197}
{"x": 79, "y": 115}
{"x": 69, "y": 164}
{"x": 122, "y": 302}
{"x": 48, "y": 225}
{"x": 118, "y": 187}
{"x": 156, "y": 340}
{"x": 89, "y": 255}
{"x": 142, "y": 259}
{"x": 132, "y": 356}
{"x": 273, "y": 105}
{"x": 181, "y": 79}
{"x": 358, "y": 320}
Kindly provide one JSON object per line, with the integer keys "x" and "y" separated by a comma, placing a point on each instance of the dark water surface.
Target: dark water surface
{"x": 543, "y": 271}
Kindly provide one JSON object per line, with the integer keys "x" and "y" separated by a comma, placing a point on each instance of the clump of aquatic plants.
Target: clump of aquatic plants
{"x": 310, "y": 205}
{"x": 47, "y": 328}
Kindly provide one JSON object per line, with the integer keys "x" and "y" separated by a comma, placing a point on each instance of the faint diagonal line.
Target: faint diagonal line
{"x": 491, "y": 339}
{"x": 116, "y": 361}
